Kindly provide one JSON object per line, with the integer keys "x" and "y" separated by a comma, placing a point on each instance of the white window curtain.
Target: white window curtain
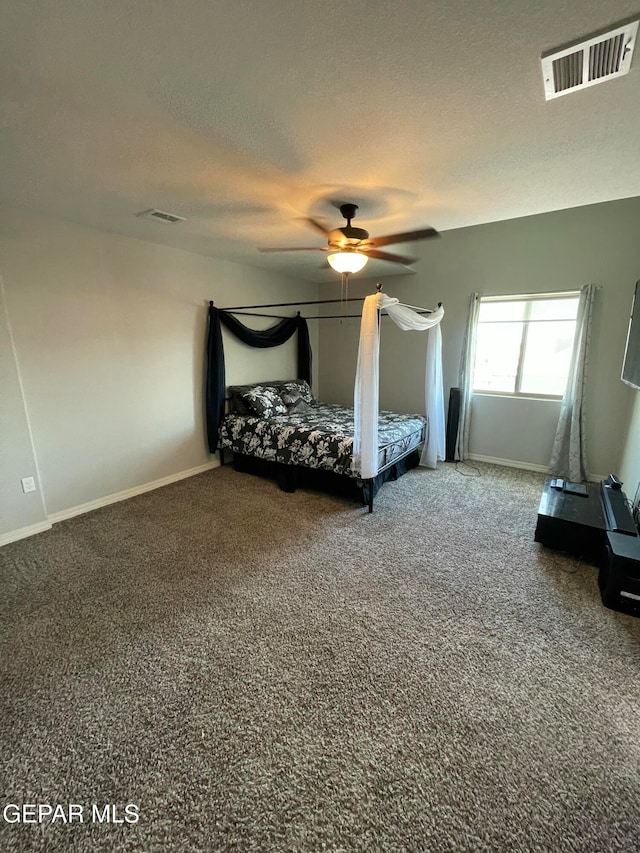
{"x": 569, "y": 457}
{"x": 465, "y": 379}
{"x": 365, "y": 398}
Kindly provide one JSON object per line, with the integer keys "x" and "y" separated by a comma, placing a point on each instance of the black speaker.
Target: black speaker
{"x": 453, "y": 419}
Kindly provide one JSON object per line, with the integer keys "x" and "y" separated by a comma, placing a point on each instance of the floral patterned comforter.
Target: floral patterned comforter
{"x": 320, "y": 437}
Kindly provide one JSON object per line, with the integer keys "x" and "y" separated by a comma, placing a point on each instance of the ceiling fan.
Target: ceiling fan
{"x": 351, "y": 247}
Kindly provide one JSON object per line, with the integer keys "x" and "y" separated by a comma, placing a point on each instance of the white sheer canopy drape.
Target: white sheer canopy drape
{"x": 365, "y": 399}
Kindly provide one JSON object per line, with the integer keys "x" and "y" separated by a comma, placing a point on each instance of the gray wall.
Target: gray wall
{"x": 630, "y": 464}
{"x": 17, "y": 459}
{"x": 109, "y": 341}
{"x": 549, "y": 252}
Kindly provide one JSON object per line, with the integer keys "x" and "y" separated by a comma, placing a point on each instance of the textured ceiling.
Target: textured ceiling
{"x": 245, "y": 115}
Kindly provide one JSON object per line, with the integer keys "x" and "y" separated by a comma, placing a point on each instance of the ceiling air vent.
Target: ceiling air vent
{"x": 161, "y": 216}
{"x": 592, "y": 61}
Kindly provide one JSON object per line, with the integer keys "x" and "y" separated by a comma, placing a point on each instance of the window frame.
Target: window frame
{"x": 526, "y": 321}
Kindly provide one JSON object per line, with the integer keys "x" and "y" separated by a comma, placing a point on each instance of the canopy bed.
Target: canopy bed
{"x": 279, "y": 429}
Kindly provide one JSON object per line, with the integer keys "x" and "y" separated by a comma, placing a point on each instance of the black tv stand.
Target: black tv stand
{"x": 600, "y": 529}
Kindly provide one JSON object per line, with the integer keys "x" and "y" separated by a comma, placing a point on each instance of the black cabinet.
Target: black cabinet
{"x": 581, "y": 525}
{"x": 572, "y": 523}
{"x": 619, "y": 577}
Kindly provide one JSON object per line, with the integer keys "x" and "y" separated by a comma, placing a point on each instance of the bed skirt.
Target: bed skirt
{"x": 292, "y": 477}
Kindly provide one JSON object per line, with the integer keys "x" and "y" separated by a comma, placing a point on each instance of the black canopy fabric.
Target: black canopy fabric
{"x": 273, "y": 337}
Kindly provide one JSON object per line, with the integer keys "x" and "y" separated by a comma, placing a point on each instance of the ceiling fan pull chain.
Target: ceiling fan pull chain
{"x": 344, "y": 293}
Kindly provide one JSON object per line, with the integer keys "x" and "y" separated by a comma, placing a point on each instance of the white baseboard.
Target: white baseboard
{"x": 24, "y": 532}
{"x": 54, "y": 518}
{"x": 131, "y": 493}
{"x": 510, "y": 463}
{"x": 526, "y": 466}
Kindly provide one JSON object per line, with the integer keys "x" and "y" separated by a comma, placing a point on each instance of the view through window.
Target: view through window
{"x": 524, "y": 344}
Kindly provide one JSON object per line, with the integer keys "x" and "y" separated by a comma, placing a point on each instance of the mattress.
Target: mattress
{"x": 319, "y": 437}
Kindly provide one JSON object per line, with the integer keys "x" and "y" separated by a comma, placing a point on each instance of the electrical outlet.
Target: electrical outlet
{"x": 28, "y": 484}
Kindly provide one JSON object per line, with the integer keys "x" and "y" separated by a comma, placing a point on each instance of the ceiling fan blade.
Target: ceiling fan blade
{"x": 387, "y": 256}
{"x": 407, "y": 237}
{"x": 315, "y": 224}
{"x": 298, "y": 249}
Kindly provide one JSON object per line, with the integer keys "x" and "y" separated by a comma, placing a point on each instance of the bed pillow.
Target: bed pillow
{"x": 299, "y": 389}
{"x": 238, "y": 405}
{"x": 295, "y": 403}
{"x": 264, "y": 401}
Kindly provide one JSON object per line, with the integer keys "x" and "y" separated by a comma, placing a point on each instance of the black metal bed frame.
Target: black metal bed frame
{"x": 244, "y": 310}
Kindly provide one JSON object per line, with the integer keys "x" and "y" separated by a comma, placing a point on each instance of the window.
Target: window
{"x": 524, "y": 344}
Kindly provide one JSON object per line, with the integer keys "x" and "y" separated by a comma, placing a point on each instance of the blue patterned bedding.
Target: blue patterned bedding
{"x": 319, "y": 436}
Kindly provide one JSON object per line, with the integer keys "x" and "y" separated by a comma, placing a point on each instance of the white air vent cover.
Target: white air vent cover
{"x": 593, "y": 61}
{"x": 161, "y": 216}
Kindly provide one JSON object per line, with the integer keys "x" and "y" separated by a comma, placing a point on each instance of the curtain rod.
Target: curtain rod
{"x": 522, "y": 297}
{"x": 243, "y": 308}
{"x": 342, "y": 316}
{"x": 243, "y": 313}
{"x": 290, "y": 304}
{"x": 252, "y": 314}
{"x": 281, "y": 317}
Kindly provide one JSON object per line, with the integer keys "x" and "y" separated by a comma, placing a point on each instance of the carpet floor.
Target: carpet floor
{"x": 251, "y": 670}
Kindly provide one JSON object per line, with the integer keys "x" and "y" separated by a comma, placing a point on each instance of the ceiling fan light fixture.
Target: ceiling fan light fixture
{"x": 347, "y": 262}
